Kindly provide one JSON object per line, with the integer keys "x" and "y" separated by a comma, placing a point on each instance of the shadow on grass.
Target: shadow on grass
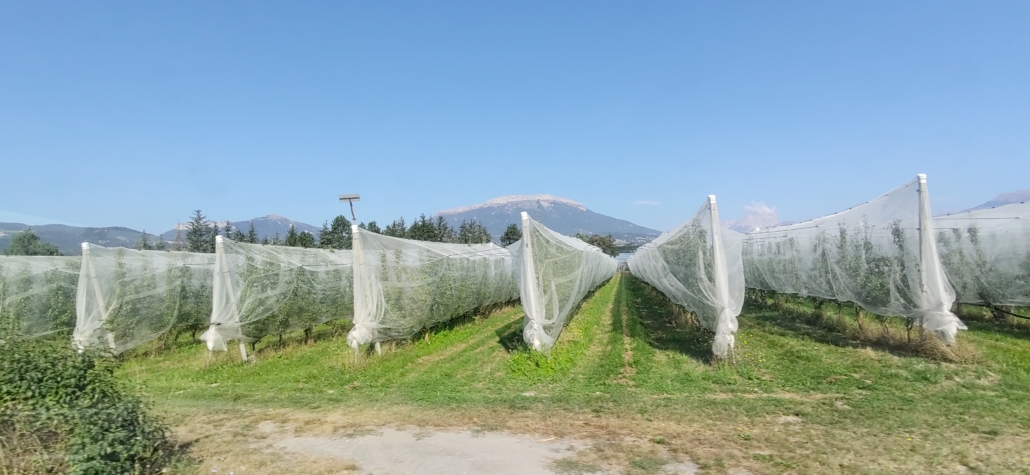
{"x": 510, "y": 336}
{"x": 840, "y": 331}
{"x": 664, "y": 323}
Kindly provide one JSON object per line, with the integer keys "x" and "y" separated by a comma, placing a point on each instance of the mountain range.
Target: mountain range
{"x": 560, "y": 214}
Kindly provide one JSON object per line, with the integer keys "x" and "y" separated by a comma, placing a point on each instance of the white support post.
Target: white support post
{"x": 363, "y": 303}
{"x": 722, "y": 284}
{"x": 529, "y": 281}
{"x": 223, "y": 264}
{"x": 95, "y": 284}
{"x": 932, "y": 284}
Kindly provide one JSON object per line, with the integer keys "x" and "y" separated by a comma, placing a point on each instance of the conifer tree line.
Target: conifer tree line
{"x": 200, "y": 234}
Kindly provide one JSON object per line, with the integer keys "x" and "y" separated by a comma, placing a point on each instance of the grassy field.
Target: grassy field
{"x": 630, "y": 377}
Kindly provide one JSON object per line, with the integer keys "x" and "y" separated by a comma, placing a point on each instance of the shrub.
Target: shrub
{"x": 63, "y": 412}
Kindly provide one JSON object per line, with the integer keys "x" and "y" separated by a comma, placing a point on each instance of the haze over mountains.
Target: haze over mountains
{"x": 561, "y": 214}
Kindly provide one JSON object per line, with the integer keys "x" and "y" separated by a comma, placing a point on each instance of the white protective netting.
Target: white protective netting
{"x": 37, "y": 294}
{"x": 402, "y": 286}
{"x": 127, "y": 297}
{"x": 554, "y": 272}
{"x": 986, "y": 253}
{"x": 881, "y": 255}
{"x": 698, "y": 265}
{"x": 261, "y": 290}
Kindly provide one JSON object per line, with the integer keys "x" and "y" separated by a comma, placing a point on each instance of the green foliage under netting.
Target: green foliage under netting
{"x": 846, "y": 265}
{"x": 64, "y": 412}
{"x": 145, "y": 294}
{"x": 37, "y": 294}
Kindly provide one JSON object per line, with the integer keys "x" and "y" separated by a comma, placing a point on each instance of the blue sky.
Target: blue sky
{"x": 136, "y": 113}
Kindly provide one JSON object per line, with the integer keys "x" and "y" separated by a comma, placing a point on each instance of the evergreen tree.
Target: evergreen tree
{"x": 292, "y": 237}
{"x": 161, "y": 245}
{"x": 306, "y": 240}
{"x": 422, "y": 230}
{"x": 444, "y": 231}
{"x": 237, "y": 235}
{"x": 473, "y": 232}
{"x": 144, "y": 243}
{"x": 371, "y": 227}
{"x": 28, "y": 243}
{"x": 198, "y": 234}
{"x": 511, "y": 234}
{"x": 396, "y": 228}
{"x": 252, "y": 236}
{"x": 276, "y": 240}
{"x": 337, "y": 235}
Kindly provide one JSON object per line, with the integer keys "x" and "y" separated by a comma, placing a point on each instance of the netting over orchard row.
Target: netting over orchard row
{"x": 127, "y": 297}
{"x": 260, "y": 290}
{"x": 881, "y": 255}
{"x": 986, "y": 254}
{"x": 37, "y": 293}
{"x": 888, "y": 256}
{"x": 555, "y": 272}
{"x": 402, "y": 286}
{"x": 698, "y": 266}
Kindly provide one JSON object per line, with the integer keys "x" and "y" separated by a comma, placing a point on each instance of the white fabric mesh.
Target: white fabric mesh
{"x": 986, "y": 254}
{"x": 402, "y": 286}
{"x": 126, "y": 297}
{"x": 875, "y": 254}
{"x": 37, "y": 294}
{"x": 698, "y": 265}
{"x": 555, "y": 272}
{"x": 261, "y": 290}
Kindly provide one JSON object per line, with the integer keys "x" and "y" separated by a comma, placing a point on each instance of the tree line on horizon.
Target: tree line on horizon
{"x": 200, "y": 236}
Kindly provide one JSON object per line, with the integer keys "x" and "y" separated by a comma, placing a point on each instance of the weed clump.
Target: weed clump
{"x": 63, "y": 412}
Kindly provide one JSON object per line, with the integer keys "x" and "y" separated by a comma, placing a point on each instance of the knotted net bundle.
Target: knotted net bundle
{"x": 261, "y": 290}
{"x": 402, "y": 286}
{"x": 986, "y": 253}
{"x": 698, "y": 265}
{"x": 555, "y": 273}
{"x": 881, "y": 255}
{"x": 37, "y": 294}
{"x": 126, "y": 297}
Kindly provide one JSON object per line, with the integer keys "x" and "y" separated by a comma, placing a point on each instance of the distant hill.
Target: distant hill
{"x": 560, "y": 214}
{"x": 265, "y": 226}
{"x": 1020, "y": 196}
{"x": 69, "y": 239}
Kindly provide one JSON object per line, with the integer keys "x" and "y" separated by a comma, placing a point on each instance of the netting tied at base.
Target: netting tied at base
{"x": 555, "y": 272}
{"x": 698, "y": 265}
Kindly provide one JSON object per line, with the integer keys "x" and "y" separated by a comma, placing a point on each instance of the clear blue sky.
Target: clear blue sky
{"x": 136, "y": 113}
